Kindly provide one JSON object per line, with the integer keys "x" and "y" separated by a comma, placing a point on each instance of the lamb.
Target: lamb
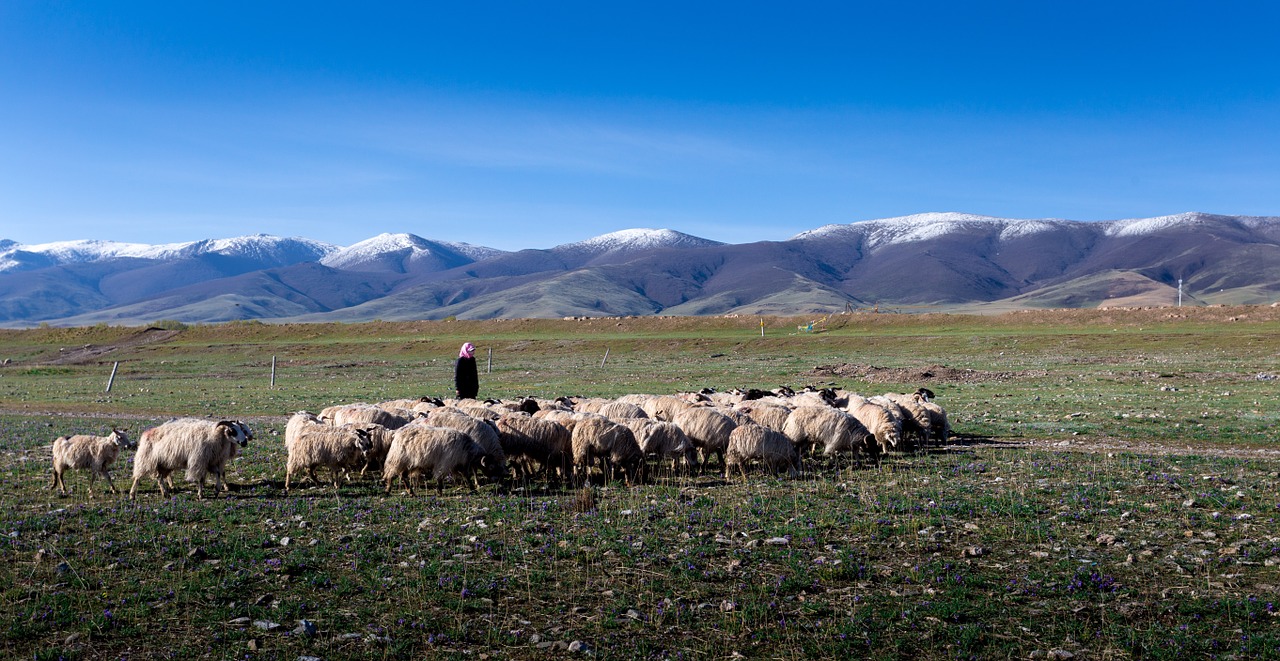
{"x": 835, "y": 430}
{"x": 613, "y": 444}
{"x": 886, "y": 428}
{"x": 546, "y": 442}
{"x": 419, "y": 449}
{"x": 664, "y": 439}
{"x": 319, "y": 445}
{"x": 200, "y": 446}
{"x": 756, "y": 442}
{"x": 97, "y": 453}
{"x": 709, "y": 430}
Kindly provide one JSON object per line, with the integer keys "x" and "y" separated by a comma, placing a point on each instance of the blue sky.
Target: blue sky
{"x": 526, "y": 124}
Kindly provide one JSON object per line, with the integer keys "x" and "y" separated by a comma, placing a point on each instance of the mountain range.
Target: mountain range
{"x": 931, "y": 261}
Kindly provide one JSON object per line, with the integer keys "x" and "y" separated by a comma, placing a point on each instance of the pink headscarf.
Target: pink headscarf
{"x": 468, "y": 350}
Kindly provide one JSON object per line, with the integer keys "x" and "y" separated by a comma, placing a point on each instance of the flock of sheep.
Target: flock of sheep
{"x": 561, "y": 440}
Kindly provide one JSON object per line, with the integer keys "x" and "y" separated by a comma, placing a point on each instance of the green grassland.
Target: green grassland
{"x": 1111, "y": 493}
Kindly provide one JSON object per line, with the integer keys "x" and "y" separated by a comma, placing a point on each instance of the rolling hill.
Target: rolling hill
{"x": 924, "y": 261}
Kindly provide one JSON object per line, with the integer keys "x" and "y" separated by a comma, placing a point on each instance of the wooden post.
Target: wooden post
{"x": 489, "y": 369}
{"x": 273, "y": 371}
{"x": 112, "y": 378}
{"x": 761, "y": 326}
{"x": 606, "y": 357}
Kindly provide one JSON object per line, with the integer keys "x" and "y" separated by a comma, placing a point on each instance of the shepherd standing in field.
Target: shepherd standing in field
{"x": 465, "y": 378}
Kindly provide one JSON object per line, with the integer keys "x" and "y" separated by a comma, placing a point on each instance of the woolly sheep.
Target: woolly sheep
{"x": 885, "y": 427}
{"x": 481, "y": 431}
{"x": 530, "y": 438}
{"x": 835, "y": 430}
{"x": 663, "y": 439}
{"x": 664, "y": 407}
{"x": 421, "y": 449}
{"x": 756, "y": 442}
{"x": 709, "y": 430}
{"x": 618, "y": 411}
{"x": 363, "y": 414}
{"x": 202, "y": 447}
{"x": 773, "y": 416}
{"x": 613, "y": 444}
{"x": 921, "y": 419}
{"x": 317, "y": 445}
{"x": 96, "y": 453}
{"x": 939, "y": 425}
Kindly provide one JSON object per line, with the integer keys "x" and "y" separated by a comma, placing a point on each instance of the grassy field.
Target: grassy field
{"x": 1111, "y": 493}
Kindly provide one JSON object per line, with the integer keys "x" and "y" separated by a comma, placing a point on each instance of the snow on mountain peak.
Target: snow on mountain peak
{"x": 1141, "y": 226}
{"x": 637, "y": 239}
{"x": 259, "y": 246}
{"x": 925, "y": 226}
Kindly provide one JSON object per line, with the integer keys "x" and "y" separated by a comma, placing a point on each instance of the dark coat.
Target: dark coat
{"x": 465, "y": 379}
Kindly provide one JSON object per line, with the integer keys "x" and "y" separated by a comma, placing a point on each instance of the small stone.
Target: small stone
{"x": 578, "y": 646}
{"x": 727, "y": 606}
{"x": 284, "y": 541}
{"x": 350, "y": 636}
{"x": 1039, "y": 554}
{"x": 73, "y": 639}
{"x": 634, "y": 614}
{"x": 1106, "y": 540}
{"x": 63, "y": 567}
{"x": 1061, "y": 655}
{"x": 1190, "y": 502}
{"x": 308, "y": 658}
{"x": 546, "y": 644}
{"x": 306, "y": 628}
{"x": 239, "y": 622}
{"x": 974, "y": 552}
{"x": 266, "y": 625}
{"x": 535, "y": 639}
{"x": 41, "y": 556}
{"x": 777, "y": 541}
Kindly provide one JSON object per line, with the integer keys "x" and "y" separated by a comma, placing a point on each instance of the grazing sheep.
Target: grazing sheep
{"x": 200, "y": 446}
{"x": 297, "y": 422}
{"x": 886, "y": 428}
{"x": 95, "y": 453}
{"x": 529, "y": 438}
{"x": 773, "y": 416}
{"x": 939, "y": 426}
{"x": 363, "y": 414}
{"x": 483, "y": 432}
{"x": 709, "y": 430}
{"x": 419, "y": 449}
{"x": 664, "y": 407}
{"x": 756, "y": 442}
{"x": 611, "y": 443}
{"x": 835, "y": 430}
{"x": 663, "y": 439}
{"x": 380, "y": 444}
{"x": 921, "y": 420}
{"x": 319, "y": 445}
{"x": 618, "y": 411}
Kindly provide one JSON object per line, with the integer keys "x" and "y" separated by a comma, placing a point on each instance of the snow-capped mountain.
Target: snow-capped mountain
{"x": 635, "y": 240}
{"x": 925, "y": 260}
{"x": 268, "y": 250}
{"x": 405, "y": 253}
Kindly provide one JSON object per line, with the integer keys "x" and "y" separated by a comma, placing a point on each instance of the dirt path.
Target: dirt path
{"x": 92, "y": 352}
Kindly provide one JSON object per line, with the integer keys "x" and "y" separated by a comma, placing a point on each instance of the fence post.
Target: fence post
{"x": 606, "y": 357}
{"x": 112, "y": 378}
{"x": 489, "y": 369}
{"x": 273, "y": 371}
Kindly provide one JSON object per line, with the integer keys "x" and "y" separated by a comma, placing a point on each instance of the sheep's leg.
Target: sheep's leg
{"x": 110, "y": 484}
{"x": 288, "y": 475}
{"x": 58, "y": 481}
{"x": 133, "y": 489}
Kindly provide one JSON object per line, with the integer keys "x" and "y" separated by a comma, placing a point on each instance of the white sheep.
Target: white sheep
{"x": 613, "y": 444}
{"x": 708, "y": 428}
{"x": 363, "y": 414}
{"x": 886, "y": 427}
{"x": 618, "y": 411}
{"x": 526, "y": 438}
{"x": 419, "y": 449}
{"x": 773, "y": 416}
{"x": 835, "y": 430}
{"x": 663, "y": 439}
{"x": 921, "y": 421}
{"x": 663, "y": 407}
{"x": 756, "y": 442}
{"x": 939, "y": 425}
{"x": 317, "y": 445}
{"x": 202, "y": 447}
{"x": 96, "y": 453}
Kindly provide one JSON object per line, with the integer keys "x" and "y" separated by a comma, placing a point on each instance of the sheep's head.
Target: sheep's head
{"x": 120, "y": 438}
{"x": 491, "y": 467}
{"x": 363, "y": 442}
{"x": 235, "y": 431}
